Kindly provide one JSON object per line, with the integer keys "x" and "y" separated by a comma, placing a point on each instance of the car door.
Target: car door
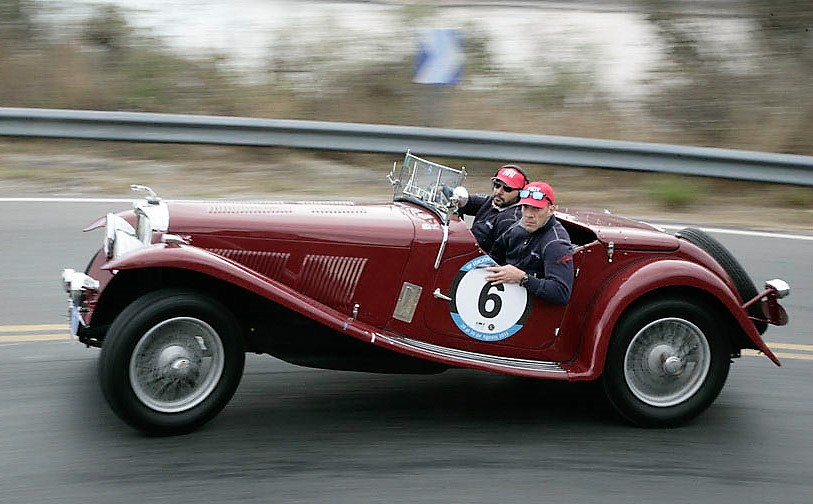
{"x": 469, "y": 313}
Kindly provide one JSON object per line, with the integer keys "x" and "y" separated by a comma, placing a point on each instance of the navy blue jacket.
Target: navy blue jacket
{"x": 490, "y": 221}
{"x": 546, "y": 255}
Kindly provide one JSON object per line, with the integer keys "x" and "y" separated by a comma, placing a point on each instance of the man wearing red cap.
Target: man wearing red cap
{"x": 536, "y": 253}
{"x": 494, "y": 214}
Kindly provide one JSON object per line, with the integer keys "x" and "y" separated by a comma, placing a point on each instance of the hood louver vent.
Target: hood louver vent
{"x": 249, "y": 208}
{"x": 281, "y": 207}
{"x": 338, "y": 210}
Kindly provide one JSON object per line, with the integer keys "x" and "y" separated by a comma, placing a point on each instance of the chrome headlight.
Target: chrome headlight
{"x": 120, "y": 237}
{"x": 152, "y": 215}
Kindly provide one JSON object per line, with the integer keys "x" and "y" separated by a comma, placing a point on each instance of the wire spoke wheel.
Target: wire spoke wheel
{"x": 171, "y": 361}
{"x": 176, "y": 364}
{"x": 667, "y": 362}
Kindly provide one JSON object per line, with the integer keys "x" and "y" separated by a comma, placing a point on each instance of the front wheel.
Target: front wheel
{"x": 667, "y": 362}
{"x": 171, "y": 361}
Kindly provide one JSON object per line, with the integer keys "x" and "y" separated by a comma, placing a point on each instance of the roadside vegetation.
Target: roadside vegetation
{"x": 757, "y": 97}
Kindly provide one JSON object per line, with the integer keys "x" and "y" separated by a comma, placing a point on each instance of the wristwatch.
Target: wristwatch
{"x": 524, "y": 280}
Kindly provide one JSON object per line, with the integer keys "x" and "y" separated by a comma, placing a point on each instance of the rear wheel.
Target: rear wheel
{"x": 171, "y": 361}
{"x": 667, "y": 362}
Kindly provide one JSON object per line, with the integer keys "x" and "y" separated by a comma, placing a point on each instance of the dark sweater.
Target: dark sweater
{"x": 490, "y": 221}
{"x": 546, "y": 255}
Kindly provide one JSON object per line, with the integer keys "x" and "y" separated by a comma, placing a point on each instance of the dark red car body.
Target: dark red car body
{"x": 324, "y": 284}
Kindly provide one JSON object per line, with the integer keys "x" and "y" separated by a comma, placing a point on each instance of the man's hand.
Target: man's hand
{"x": 504, "y": 274}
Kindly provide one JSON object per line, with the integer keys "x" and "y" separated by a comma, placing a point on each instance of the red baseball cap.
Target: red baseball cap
{"x": 511, "y": 175}
{"x": 537, "y": 194}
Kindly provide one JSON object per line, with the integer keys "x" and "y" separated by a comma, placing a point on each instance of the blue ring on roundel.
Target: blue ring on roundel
{"x": 482, "y": 262}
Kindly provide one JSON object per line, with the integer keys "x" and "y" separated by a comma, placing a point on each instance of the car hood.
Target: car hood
{"x": 318, "y": 221}
{"x": 622, "y": 232}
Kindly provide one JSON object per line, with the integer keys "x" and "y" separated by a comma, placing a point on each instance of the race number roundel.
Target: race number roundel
{"x": 484, "y": 311}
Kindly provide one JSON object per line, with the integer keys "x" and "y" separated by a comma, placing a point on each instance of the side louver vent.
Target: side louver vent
{"x": 269, "y": 264}
{"x": 331, "y": 279}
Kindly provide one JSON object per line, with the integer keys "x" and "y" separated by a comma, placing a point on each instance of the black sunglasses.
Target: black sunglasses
{"x": 499, "y": 185}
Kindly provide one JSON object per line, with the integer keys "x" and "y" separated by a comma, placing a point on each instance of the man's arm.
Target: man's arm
{"x": 558, "y": 281}
{"x": 499, "y": 249}
{"x": 473, "y": 205}
{"x": 506, "y": 219}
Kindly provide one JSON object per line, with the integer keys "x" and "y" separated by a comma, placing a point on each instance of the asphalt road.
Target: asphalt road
{"x": 300, "y": 435}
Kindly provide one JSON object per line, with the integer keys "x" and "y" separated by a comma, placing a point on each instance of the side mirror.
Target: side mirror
{"x": 460, "y": 195}
{"x": 457, "y": 200}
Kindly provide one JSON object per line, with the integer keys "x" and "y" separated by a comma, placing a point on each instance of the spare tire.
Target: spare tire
{"x": 745, "y": 287}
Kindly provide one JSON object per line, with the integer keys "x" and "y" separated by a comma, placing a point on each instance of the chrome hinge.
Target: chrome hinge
{"x": 610, "y": 251}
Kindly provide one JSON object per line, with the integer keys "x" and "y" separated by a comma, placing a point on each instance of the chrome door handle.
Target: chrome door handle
{"x": 441, "y": 295}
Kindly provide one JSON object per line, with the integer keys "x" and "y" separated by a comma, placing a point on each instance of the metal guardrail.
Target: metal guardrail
{"x": 376, "y": 138}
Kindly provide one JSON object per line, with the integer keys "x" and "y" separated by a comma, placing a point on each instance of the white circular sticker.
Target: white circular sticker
{"x": 485, "y": 311}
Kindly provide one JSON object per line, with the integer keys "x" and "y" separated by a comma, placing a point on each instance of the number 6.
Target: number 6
{"x": 485, "y": 297}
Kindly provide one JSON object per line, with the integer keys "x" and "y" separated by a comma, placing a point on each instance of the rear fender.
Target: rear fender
{"x": 628, "y": 286}
{"x": 195, "y": 259}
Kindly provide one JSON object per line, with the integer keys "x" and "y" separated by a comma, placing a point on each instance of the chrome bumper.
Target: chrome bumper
{"x": 78, "y": 286}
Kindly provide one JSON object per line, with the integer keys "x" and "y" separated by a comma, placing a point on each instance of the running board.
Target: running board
{"x": 465, "y": 357}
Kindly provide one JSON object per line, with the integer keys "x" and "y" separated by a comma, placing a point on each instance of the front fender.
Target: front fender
{"x": 637, "y": 281}
{"x": 202, "y": 261}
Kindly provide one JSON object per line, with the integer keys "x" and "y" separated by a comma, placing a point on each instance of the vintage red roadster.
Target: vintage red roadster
{"x": 180, "y": 291}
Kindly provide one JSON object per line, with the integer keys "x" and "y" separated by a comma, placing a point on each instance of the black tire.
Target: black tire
{"x": 667, "y": 362}
{"x": 171, "y": 361}
{"x": 745, "y": 287}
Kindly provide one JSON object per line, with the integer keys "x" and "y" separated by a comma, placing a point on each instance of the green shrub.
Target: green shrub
{"x": 674, "y": 192}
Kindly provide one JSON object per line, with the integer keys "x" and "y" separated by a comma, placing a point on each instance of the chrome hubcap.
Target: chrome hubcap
{"x": 664, "y": 359}
{"x": 667, "y": 362}
{"x": 176, "y": 364}
{"x": 174, "y": 357}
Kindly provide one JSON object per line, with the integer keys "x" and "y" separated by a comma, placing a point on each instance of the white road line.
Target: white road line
{"x": 66, "y": 200}
{"x": 763, "y": 234}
